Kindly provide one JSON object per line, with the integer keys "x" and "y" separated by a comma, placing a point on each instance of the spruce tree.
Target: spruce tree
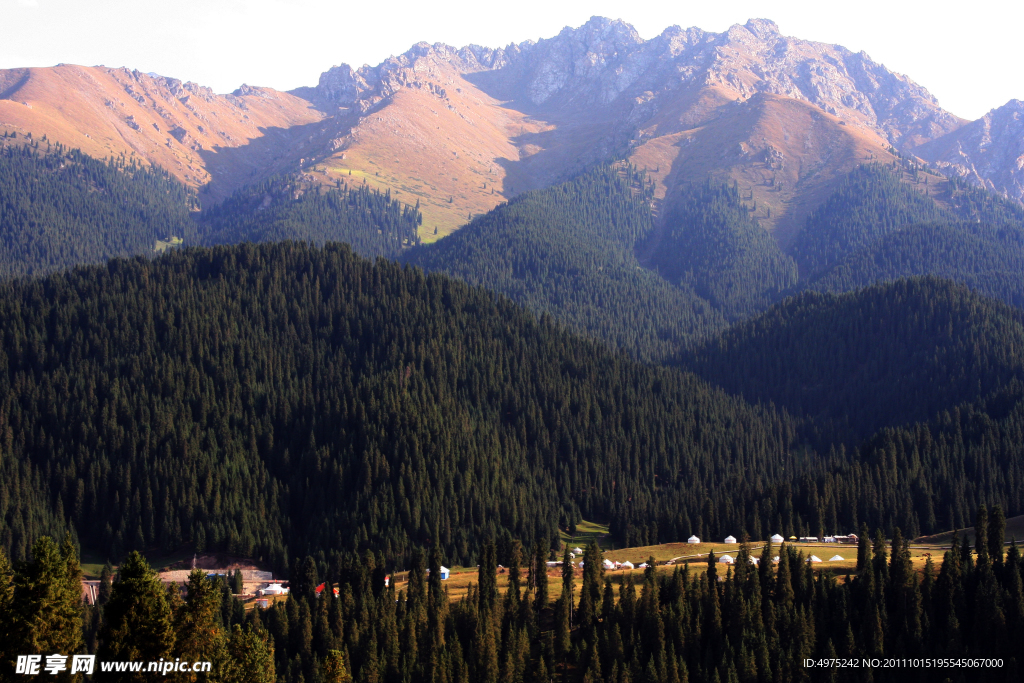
{"x": 198, "y": 637}
{"x": 997, "y": 537}
{"x": 46, "y": 608}
{"x": 7, "y": 654}
{"x": 137, "y": 620}
{"x": 250, "y": 657}
{"x": 981, "y": 539}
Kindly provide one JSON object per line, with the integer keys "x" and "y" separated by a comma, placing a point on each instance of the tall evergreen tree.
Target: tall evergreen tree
{"x": 137, "y": 619}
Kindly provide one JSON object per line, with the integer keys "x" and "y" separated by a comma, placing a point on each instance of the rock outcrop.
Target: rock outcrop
{"x": 988, "y": 152}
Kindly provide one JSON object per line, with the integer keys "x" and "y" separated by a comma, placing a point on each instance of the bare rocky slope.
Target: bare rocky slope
{"x": 989, "y": 152}
{"x": 459, "y": 130}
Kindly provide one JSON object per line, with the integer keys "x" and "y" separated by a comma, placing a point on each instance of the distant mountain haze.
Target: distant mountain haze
{"x": 460, "y": 130}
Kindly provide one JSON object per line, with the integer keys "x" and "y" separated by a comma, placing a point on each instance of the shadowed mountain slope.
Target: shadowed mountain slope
{"x": 888, "y": 355}
{"x": 568, "y": 251}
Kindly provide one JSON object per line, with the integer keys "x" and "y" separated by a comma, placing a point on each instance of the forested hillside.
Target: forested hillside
{"x": 287, "y": 209}
{"x": 871, "y": 202}
{"x": 711, "y": 244}
{"x": 275, "y": 398}
{"x": 987, "y": 258}
{"x": 569, "y": 251}
{"x": 60, "y": 208}
{"x": 886, "y": 355}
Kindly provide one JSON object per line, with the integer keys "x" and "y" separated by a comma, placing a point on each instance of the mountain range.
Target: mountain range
{"x": 460, "y": 130}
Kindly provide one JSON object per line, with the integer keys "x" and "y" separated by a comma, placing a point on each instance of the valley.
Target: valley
{"x": 442, "y": 313}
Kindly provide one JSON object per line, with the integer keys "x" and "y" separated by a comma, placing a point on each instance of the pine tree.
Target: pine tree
{"x": 198, "y": 636}
{"x": 540, "y": 573}
{"x": 7, "y": 636}
{"x": 488, "y": 577}
{"x": 46, "y": 609}
{"x": 106, "y": 579}
{"x": 334, "y": 669}
{"x": 996, "y": 538}
{"x": 137, "y": 620}
{"x": 250, "y": 657}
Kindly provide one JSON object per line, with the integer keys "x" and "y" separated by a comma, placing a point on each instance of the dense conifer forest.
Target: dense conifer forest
{"x": 568, "y": 251}
{"x": 269, "y": 400}
{"x": 60, "y": 208}
{"x": 712, "y": 245}
{"x": 293, "y": 399}
{"x": 871, "y": 202}
{"x": 749, "y": 621}
{"x": 288, "y": 209}
{"x": 905, "y": 351}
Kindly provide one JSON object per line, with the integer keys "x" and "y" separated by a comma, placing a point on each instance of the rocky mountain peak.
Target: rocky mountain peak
{"x": 988, "y": 152}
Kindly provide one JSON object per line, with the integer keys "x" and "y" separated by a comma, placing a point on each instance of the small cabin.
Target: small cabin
{"x": 445, "y": 572}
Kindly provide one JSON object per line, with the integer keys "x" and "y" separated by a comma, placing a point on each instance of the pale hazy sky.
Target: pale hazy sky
{"x": 968, "y": 58}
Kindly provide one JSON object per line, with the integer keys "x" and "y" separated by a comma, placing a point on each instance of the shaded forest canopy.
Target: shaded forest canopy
{"x": 60, "y": 208}
{"x": 286, "y": 209}
{"x": 568, "y": 251}
{"x": 259, "y": 398}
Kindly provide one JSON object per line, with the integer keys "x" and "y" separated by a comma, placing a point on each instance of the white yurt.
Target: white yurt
{"x": 814, "y": 559}
{"x": 578, "y": 550}
{"x": 836, "y": 558}
{"x": 777, "y": 538}
{"x": 754, "y": 561}
{"x": 642, "y": 565}
{"x": 775, "y": 559}
{"x": 693, "y": 540}
{"x": 730, "y": 539}
{"x": 608, "y": 564}
{"x": 726, "y": 559}
{"x": 627, "y": 565}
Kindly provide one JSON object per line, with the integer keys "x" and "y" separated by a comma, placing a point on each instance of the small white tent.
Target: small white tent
{"x": 274, "y": 589}
{"x": 693, "y": 540}
{"x": 608, "y": 564}
{"x": 814, "y": 558}
{"x": 577, "y": 550}
{"x": 627, "y": 565}
{"x": 775, "y": 559}
{"x": 777, "y": 539}
{"x": 836, "y": 558}
{"x": 725, "y": 559}
{"x": 754, "y": 560}
{"x": 730, "y": 539}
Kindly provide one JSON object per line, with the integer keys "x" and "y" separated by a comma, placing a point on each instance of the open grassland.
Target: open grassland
{"x": 1014, "y": 531}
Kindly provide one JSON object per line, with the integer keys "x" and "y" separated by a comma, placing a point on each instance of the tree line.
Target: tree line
{"x": 758, "y": 619}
